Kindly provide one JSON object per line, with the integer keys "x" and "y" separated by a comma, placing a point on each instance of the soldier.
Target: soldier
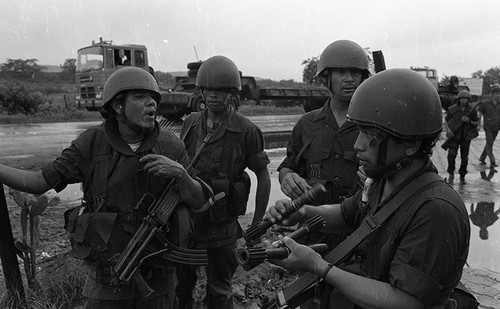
{"x": 415, "y": 257}
{"x": 461, "y": 127}
{"x": 234, "y": 144}
{"x": 320, "y": 148}
{"x": 489, "y": 110}
{"x": 117, "y": 163}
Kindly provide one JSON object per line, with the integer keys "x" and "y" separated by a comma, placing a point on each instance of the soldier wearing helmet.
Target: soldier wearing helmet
{"x": 320, "y": 148}
{"x": 234, "y": 143}
{"x": 415, "y": 255}
{"x": 117, "y": 163}
{"x": 461, "y": 127}
{"x": 489, "y": 110}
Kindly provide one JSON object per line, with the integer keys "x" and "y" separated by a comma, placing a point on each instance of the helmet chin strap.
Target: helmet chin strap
{"x": 383, "y": 169}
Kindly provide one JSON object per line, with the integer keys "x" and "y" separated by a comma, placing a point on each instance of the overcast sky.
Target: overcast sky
{"x": 265, "y": 38}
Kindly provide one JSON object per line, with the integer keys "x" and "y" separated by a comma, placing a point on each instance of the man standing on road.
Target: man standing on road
{"x": 415, "y": 257}
{"x": 117, "y": 163}
{"x": 489, "y": 110}
{"x": 234, "y": 143}
{"x": 320, "y": 148}
{"x": 461, "y": 126}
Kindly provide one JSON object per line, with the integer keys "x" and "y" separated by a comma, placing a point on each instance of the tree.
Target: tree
{"x": 490, "y": 78}
{"x": 23, "y": 69}
{"x": 309, "y": 72}
{"x": 68, "y": 69}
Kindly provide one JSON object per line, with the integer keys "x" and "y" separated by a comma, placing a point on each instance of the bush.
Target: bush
{"x": 17, "y": 98}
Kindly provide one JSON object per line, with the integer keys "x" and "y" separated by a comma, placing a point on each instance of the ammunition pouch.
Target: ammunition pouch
{"x": 99, "y": 238}
{"x": 234, "y": 203}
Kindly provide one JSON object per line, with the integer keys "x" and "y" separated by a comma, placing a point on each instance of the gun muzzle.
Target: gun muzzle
{"x": 249, "y": 258}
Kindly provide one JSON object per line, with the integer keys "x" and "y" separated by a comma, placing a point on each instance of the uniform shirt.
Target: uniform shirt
{"x": 466, "y": 131}
{"x": 491, "y": 115}
{"x": 247, "y": 152}
{"x": 102, "y": 149}
{"x": 420, "y": 249}
{"x": 320, "y": 151}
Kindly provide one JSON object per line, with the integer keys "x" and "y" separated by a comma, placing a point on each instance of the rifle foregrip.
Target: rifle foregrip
{"x": 259, "y": 228}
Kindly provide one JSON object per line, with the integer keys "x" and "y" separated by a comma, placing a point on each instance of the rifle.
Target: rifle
{"x": 258, "y": 229}
{"x": 154, "y": 225}
{"x": 456, "y": 126}
{"x": 249, "y": 258}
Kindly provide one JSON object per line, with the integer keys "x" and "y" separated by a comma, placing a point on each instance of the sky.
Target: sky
{"x": 265, "y": 38}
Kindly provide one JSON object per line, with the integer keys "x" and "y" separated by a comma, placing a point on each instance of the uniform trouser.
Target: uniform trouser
{"x": 488, "y": 148}
{"x": 464, "y": 146}
{"x": 222, "y": 265}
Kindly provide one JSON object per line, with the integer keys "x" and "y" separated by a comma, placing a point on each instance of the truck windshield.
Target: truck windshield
{"x": 90, "y": 59}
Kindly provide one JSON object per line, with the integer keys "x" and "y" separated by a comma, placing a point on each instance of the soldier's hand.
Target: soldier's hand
{"x": 465, "y": 119}
{"x": 301, "y": 257}
{"x": 449, "y": 133}
{"x": 275, "y": 213}
{"x": 293, "y": 186}
{"x": 161, "y": 166}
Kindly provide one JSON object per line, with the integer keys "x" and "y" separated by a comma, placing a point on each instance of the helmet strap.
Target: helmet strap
{"x": 383, "y": 169}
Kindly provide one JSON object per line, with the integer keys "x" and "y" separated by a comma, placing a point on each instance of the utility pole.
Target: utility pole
{"x": 8, "y": 254}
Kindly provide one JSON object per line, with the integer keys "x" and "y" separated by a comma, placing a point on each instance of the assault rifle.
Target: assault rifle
{"x": 456, "y": 125}
{"x": 258, "y": 229}
{"x": 249, "y": 258}
{"x": 154, "y": 226}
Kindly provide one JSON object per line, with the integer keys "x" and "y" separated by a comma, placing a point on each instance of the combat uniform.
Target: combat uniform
{"x": 113, "y": 181}
{"x": 234, "y": 146}
{"x": 320, "y": 151}
{"x": 462, "y": 137}
{"x": 411, "y": 250}
{"x": 491, "y": 125}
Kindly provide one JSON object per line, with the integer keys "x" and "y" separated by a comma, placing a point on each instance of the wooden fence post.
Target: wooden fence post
{"x": 8, "y": 255}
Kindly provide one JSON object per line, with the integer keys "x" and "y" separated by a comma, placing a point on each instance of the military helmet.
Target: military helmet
{"x": 464, "y": 94}
{"x": 343, "y": 54}
{"x": 130, "y": 78}
{"x": 400, "y": 102}
{"x": 218, "y": 72}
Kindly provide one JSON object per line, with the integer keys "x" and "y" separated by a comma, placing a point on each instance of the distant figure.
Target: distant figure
{"x": 483, "y": 217}
{"x": 461, "y": 127}
{"x": 490, "y": 111}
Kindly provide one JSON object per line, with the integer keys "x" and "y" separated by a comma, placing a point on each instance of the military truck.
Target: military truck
{"x": 447, "y": 90}
{"x": 185, "y": 97}
{"x": 95, "y": 63}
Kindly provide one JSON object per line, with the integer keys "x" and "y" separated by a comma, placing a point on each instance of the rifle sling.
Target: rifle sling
{"x": 291, "y": 295}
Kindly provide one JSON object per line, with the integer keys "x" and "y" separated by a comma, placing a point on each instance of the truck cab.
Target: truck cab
{"x": 94, "y": 65}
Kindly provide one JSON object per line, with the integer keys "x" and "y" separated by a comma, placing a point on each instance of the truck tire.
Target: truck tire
{"x": 198, "y": 104}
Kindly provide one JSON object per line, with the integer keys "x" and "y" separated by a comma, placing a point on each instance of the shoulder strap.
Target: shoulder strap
{"x": 293, "y": 295}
